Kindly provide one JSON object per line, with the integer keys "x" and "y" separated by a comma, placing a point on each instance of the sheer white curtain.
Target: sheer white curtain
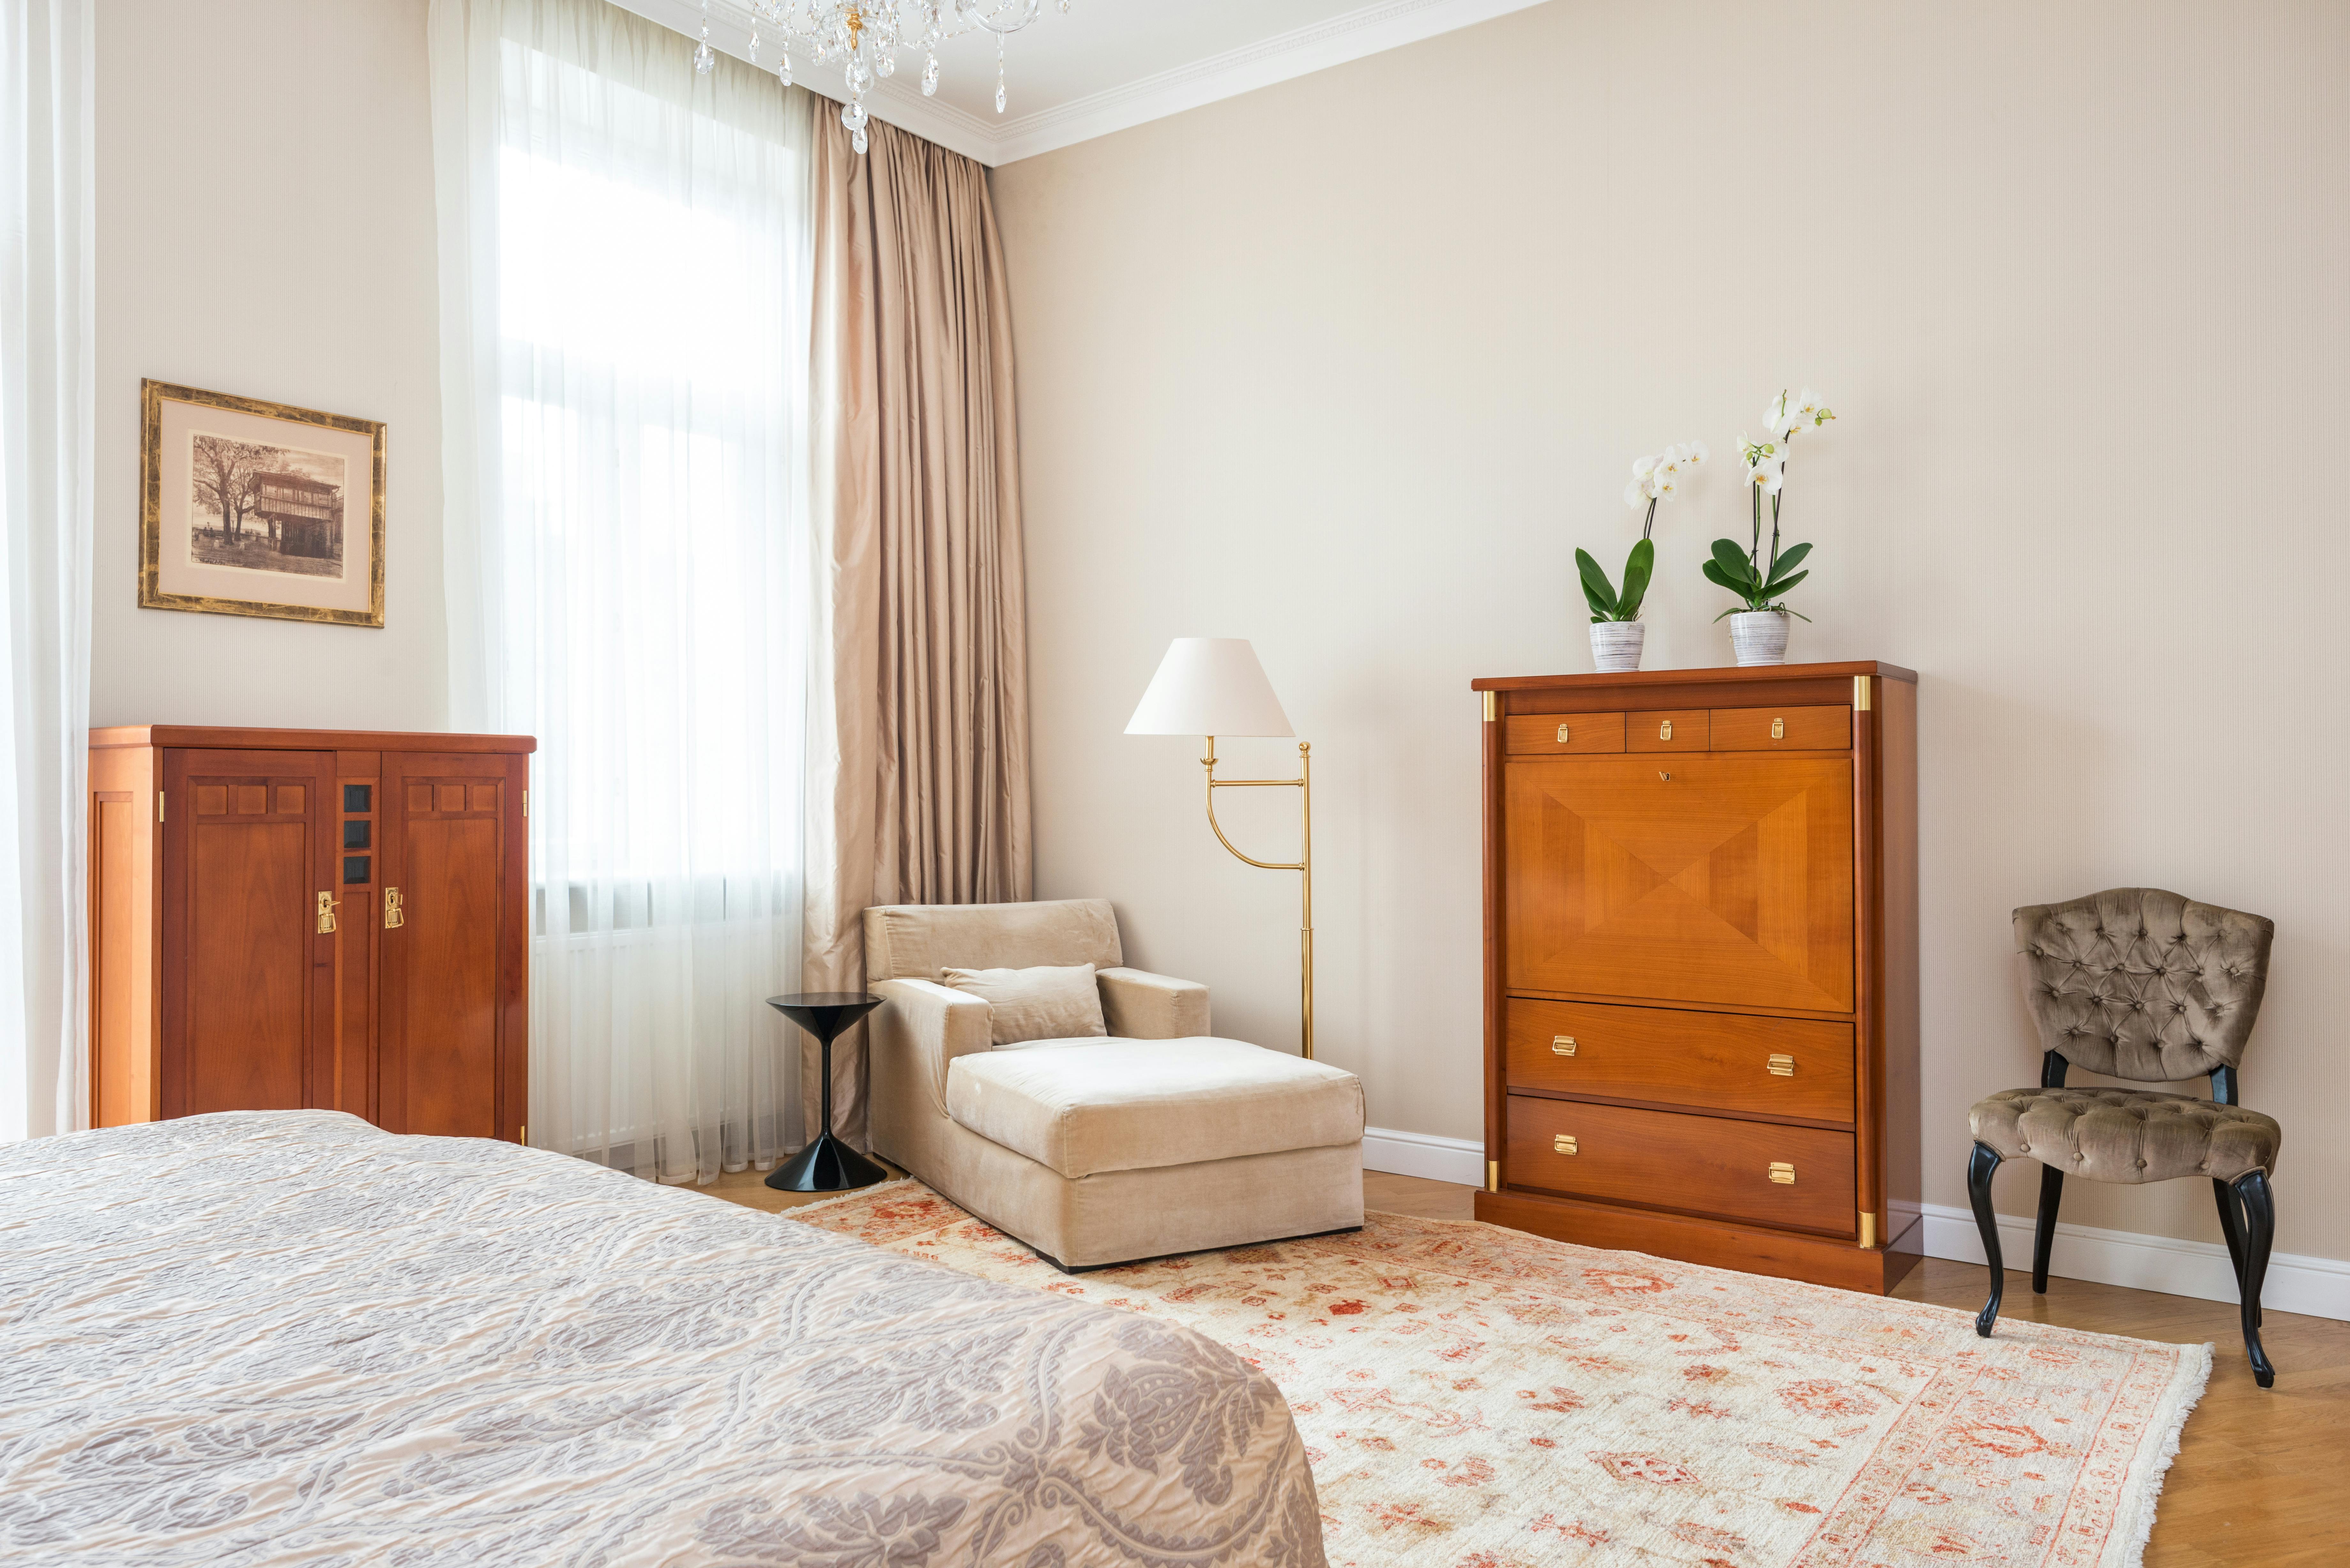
{"x": 47, "y": 367}
{"x": 626, "y": 297}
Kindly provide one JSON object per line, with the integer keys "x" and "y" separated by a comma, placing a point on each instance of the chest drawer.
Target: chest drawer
{"x": 1706, "y": 1060}
{"x": 1680, "y": 730}
{"x": 1756, "y": 1172}
{"x": 1562, "y": 734}
{"x": 1781, "y": 729}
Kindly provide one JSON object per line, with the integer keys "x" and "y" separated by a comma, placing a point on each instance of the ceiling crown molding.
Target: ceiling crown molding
{"x": 992, "y": 142}
{"x": 1300, "y": 52}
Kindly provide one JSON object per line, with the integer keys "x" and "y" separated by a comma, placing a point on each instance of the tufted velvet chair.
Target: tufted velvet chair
{"x": 2135, "y": 983}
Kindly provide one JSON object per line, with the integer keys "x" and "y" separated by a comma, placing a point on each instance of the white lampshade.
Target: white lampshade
{"x": 1210, "y": 686}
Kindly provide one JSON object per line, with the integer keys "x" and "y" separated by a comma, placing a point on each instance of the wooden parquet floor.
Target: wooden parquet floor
{"x": 2262, "y": 1476}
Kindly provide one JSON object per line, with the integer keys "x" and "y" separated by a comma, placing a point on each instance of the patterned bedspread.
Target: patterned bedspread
{"x": 288, "y": 1338}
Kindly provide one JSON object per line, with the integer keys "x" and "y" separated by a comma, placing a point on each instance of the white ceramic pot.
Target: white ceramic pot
{"x": 1760, "y": 637}
{"x": 1616, "y": 645}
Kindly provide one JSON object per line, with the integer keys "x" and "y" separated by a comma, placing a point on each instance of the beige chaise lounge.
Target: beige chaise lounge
{"x": 1159, "y": 1138}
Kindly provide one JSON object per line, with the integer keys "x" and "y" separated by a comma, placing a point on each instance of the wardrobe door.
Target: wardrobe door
{"x": 450, "y": 842}
{"x": 247, "y": 976}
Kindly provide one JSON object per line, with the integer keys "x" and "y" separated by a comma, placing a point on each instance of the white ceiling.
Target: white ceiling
{"x": 1107, "y": 63}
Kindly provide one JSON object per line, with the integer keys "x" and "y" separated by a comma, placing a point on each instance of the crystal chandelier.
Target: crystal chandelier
{"x": 866, "y": 36}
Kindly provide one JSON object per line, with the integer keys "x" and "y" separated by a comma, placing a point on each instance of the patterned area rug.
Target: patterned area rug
{"x": 1475, "y": 1398}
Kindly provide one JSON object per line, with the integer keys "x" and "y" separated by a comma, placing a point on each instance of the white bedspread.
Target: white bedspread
{"x": 288, "y": 1338}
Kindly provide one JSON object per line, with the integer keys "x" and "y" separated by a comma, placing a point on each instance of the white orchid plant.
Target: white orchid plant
{"x": 1655, "y": 478}
{"x": 1760, "y": 581}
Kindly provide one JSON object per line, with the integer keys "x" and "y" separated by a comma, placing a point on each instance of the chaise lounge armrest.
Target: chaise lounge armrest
{"x": 1139, "y": 1005}
{"x": 933, "y": 1025}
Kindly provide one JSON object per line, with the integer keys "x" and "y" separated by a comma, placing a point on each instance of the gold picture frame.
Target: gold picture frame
{"x": 278, "y": 480}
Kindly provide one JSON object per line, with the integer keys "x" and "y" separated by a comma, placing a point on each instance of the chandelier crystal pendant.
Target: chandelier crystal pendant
{"x": 865, "y": 38}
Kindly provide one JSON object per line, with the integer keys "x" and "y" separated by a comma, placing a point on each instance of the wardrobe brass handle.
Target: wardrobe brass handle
{"x": 1564, "y": 1144}
{"x": 1563, "y": 732}
{"x": 1783, "y": 1067}
{"x": 393, "y": 915}
{"x": 1563, "y": 1045}
{"x": 326, "y": 913}
{"x": 1782, "y": 1173}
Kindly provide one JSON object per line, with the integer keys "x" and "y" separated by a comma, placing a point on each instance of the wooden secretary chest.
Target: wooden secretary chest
{"x": 1702, "y": 966}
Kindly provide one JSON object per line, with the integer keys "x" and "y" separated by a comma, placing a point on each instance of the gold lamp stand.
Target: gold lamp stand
{"x": 1304, "y": 865}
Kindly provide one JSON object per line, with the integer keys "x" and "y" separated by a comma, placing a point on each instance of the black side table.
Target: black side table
{"x": 827, "y": 1165}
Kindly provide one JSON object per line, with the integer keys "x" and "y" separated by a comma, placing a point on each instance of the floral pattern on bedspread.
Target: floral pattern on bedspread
{"x": 288, "y": 1338}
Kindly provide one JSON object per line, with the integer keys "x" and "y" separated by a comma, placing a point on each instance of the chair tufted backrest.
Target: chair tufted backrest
{"x": 2135, "y": 982}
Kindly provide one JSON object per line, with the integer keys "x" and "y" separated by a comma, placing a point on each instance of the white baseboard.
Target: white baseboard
{"x": 2296, "y": 1282}
{"x": 1424, "y": 1154}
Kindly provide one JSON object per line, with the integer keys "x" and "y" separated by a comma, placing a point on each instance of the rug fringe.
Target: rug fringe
{"x": 2186, "y": 1392}
{"x": 799, "y": 1208}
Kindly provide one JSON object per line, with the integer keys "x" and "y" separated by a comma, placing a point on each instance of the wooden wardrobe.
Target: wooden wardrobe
{"x": 1702, "y": 966}
{"x": 288, "y": 919}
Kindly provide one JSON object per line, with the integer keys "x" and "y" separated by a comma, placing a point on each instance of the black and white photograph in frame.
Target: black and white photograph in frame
{"x": 259, "y": 508}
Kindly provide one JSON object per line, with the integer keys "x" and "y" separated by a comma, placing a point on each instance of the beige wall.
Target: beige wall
{"x": 1350, "y": 365}
{"x": 265, "y": 227}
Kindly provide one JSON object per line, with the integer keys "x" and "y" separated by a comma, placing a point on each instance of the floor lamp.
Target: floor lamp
{"x": 1211, "y": 686}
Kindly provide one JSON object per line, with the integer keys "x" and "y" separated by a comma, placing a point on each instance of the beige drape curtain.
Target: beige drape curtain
{"x": 919, "y": 742}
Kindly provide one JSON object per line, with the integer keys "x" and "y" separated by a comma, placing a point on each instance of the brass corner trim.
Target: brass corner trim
{"x": 1869, "y": 1229}
{"x": 1492, "y": 706}
{"x": 1492, "y": 1176}
{"x": 1860, "y": 693}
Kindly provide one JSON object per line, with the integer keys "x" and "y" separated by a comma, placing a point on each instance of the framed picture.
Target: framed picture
{"x": 255, "y": 508}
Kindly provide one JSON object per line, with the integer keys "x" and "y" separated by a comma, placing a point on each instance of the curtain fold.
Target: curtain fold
{"x": 47, "y": 465}
{"x": 626, "y": 283}
{"x": 921, "y": 748}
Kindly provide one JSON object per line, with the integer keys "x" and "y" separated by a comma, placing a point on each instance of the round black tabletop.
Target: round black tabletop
{"x": 825, "y": 1013}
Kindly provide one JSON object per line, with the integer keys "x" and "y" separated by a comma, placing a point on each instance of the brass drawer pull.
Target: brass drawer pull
{"x": 1783, "y": 1067}
{"x": 1563, "y": 732}
{"x": 1563, "y": 1045}
{"x": 1564, "y": 1144}
{"x": 1665, "y": 730}
{"x": 1778, "y": 729}
{"x": 1782, "y": 1173}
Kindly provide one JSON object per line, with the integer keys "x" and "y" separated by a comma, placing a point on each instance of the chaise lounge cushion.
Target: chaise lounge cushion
{"x": 1136, "y": 1105}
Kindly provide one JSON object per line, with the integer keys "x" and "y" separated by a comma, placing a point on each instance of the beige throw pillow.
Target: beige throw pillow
{"x": 1047, "y": 1003}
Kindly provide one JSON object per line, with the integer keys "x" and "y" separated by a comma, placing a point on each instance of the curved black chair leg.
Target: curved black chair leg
{"x": 2232, "y": 1226}
{"x": 2260, "y": 1230}
{"x": 2044, "y": 1233}
{"x": 1980, "y": 1165}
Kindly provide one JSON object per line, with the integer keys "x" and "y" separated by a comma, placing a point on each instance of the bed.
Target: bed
{"x": 288, "y": 1338}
